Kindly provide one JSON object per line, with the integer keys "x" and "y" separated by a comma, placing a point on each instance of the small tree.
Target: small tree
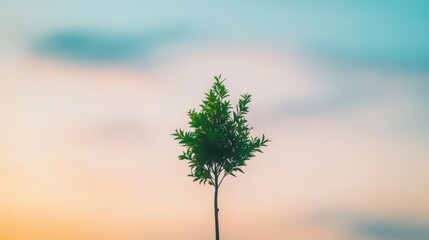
{"x": 220, "y": 143}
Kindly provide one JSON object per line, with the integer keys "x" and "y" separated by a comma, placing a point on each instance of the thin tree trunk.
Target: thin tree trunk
{"x": 216, "y": 209}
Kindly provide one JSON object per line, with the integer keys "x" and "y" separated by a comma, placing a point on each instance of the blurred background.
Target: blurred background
{"x": 90, "y": 92}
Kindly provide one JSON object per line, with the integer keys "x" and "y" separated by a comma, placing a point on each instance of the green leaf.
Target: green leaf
{"x": 220, "y": 139}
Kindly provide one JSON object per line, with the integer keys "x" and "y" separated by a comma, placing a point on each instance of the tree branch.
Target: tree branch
{"x": 224, "y": 175}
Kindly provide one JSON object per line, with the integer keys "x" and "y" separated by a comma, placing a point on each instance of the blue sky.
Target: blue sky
{"x": 386, "y": 33}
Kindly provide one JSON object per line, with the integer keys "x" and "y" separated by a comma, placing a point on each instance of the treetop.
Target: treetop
{"x": 219, "y": 142}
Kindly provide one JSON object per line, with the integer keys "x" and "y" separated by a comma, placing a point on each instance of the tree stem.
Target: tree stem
{"x": 216, "y": 209}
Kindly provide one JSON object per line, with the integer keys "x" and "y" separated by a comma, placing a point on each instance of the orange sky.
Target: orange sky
{"x": 86, "y": 151}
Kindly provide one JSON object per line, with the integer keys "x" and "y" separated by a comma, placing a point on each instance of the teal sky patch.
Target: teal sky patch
{"x": 393, "y": 33}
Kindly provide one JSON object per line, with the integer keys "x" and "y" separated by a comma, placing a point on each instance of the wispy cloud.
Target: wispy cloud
{"x": 103, "y": 47}
{"x": 390, "y": 230}
{"x": 341, "y": 99}
{"x": 366, "y": 226}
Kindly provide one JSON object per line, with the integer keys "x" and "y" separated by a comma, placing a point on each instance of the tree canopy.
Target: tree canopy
{"x": 219, "y": 142}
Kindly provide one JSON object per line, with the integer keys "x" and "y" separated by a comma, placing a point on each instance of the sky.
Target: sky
{"x": 90, "y": 93}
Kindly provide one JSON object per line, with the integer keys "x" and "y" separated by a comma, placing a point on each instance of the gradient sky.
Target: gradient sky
{"x": 90, "y": 93}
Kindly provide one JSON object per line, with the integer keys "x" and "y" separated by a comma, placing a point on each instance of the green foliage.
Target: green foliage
{"x": 220, "y": 142}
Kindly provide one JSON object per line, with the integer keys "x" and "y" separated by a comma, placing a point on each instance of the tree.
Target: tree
{"x": 219, "y": 143}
